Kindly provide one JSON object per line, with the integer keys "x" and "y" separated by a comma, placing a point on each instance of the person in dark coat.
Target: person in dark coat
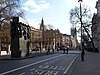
{"x": 63, "y": 48}
{"x": 67, "y": 49}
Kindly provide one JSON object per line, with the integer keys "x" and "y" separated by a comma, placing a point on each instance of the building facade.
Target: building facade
{"x": 35, "y": 38}
{"x": 96, "y": 26}
{"x": 74, "y": 41}
{"x": 40, "y": 39}
{"x": 49, "y": 38}
{"x": 5, "y": 38}
{"x": 65, "y": 40}
{"x": 45, "y": 39}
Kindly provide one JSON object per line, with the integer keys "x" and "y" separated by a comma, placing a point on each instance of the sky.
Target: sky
{"x": 54, "y": 12}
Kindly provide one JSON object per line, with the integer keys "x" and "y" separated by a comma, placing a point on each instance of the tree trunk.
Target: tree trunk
{"x": 90, "y": 38}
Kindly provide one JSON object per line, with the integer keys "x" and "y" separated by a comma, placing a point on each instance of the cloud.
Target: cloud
{"x": 33, "y": 22}
{"x": 42, "y": 1}
{"x": 35, "y": 7}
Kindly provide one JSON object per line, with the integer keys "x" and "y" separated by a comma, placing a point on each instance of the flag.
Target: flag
{"x": 80, "y": 0}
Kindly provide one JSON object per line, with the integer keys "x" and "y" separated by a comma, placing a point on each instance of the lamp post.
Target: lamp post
{"x": 82, "y": 50}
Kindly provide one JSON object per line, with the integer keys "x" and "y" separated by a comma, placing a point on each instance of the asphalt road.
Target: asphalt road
{"x": 54, "y": 64}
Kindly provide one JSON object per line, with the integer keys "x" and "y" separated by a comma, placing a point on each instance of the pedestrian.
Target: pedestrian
{"x": 67, "y": 49}
{"x": 0, "y": 51}
{"x": 53, "y": 50}
{"x": 48, "y": 51}
{"x": 6, "y": 49}
{"x": 63, "y": 49}
{"x": 9, "y": 49}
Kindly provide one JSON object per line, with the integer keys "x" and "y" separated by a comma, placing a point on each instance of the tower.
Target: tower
{"x": 42, "y": 26}
{"x": 74, "y": 37}
{"x": 73, "y": 32}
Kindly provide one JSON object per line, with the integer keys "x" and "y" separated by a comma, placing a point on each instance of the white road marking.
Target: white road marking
{"x": 56, "y": 67}
{"x": 46, "y": 66}
{"x": 22, "y": 73}
{"x": 30, "y": 65}
{"x": 67, "y": 69}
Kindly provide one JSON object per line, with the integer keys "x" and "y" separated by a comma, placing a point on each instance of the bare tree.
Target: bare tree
{"x": 9, "y": 8}
{"x": 49, "y": 26}
{"x": 86, "y": 19}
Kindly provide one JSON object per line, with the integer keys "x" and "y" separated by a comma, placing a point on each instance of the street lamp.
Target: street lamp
{"x": 82, "y": 50}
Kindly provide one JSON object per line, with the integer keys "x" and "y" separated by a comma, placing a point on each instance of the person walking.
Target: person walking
{"x": 67, "y": 49}
{"x": 63, "y": 48}
{"x": 48, "y": 51}
{"x": 0, "y": 51}
{"x": 7, "y": 48}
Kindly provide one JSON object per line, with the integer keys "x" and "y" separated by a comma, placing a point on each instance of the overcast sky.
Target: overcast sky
{"x": 54, "y": 12}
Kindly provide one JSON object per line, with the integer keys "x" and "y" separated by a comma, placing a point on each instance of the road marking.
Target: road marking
{"x": 51, "y": 67}
{"x": 38, "y": 71}
{"x": 53, "y": 73}
{"x": 46, "y": 66}
{"x": 47, "y": 73}
{"x": 40, "y": 66}
{"x": 56, "y": 67}
{"x": 61, "y": 68}
{"x": 32, "y": 69}
{"x": 30, "y": 65}
{"x": 22, "y": 73}
{"x": 67, "y": 69}
{"x": 42, "y": 72}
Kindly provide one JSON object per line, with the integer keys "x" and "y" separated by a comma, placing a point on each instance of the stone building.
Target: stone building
{"x": 74, "y": 41}
{"x": 50, "y": 37}
{"x": 66, "y": 40}
{"x": 94, "y": 29}
{"x": 5, "y": 39}
{"x": 35, "y": 38}
{"x": 40, "y": 39}
{"x": 96, "y": 26}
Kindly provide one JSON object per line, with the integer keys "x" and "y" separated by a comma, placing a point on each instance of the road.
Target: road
{"x": 53, "y": 64}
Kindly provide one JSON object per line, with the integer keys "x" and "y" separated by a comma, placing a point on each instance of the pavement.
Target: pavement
{"x": 90, "y": 65}
{"x": 6, "y": 56}
{"x": 32, "y": 54}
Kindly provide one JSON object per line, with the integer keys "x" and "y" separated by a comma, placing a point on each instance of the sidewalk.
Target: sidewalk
{"x": 32, "y": 54}
{"x": 90, "y": 65}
